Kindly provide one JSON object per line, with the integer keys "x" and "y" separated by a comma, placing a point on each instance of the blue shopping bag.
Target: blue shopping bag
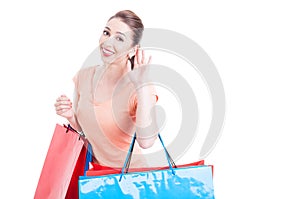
{"x": 187, "y": 182}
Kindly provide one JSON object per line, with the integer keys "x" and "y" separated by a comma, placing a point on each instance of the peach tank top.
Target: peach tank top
{"x": 110, "y": 124}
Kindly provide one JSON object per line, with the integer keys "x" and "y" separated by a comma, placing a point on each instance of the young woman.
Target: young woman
{"x": 110, "y": 104}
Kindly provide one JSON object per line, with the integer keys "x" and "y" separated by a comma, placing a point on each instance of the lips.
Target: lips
{"x": 106, "y": 52}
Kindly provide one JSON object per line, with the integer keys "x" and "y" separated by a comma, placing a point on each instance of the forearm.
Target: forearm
{"x": 74, "y": 123}
{"x": 146, "y": 127}
{"x": 145, "y": 105}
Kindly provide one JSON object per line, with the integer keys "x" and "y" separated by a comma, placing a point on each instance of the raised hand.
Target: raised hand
{"x": 139, "y": 72}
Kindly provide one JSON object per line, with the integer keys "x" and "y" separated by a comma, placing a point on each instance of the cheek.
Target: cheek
{"x": 122, "y": 46}
{"x": 101, "y": 40}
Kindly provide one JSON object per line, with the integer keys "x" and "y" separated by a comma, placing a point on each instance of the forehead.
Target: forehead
{"x": 116, "y": 25}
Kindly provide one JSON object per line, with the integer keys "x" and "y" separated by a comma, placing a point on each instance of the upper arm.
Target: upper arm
{"x": 75, "y": 92}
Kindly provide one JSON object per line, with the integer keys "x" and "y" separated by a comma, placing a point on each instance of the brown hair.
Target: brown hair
{"x": 133, "y": 21}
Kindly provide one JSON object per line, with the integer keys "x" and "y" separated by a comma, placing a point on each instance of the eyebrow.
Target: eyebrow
{"x": 117, "y": 32}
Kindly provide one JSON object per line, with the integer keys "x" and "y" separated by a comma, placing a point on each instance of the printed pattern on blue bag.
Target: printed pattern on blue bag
{"x": 188, "y": 182}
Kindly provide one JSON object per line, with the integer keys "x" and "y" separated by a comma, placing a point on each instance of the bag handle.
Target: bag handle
{"x": 88, "y": 158}
{"x": 89, "y": 153}
{"x": 70, "y": 128}
{"x": 129, "y": 155}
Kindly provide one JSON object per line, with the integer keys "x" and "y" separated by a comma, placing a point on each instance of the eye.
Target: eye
{"x": 106, "y": 33}
{"x": 119, "y": 39}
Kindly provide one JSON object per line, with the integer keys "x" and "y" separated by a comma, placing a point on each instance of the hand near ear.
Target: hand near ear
{"x": 139, "y": 70}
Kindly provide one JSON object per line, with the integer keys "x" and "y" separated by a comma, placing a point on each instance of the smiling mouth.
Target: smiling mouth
{"x": 107, "y": 52}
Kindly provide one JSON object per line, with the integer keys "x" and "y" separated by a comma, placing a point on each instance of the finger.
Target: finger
{"x": 62, "y": 99}
{"x": 143, "y": 57}
{"x": 140, "y": 57}
{"x": 136, "y": 58}
{"x": 62, "y": 107}
{"x": 62, "y": 111}
{"x": 61, "y": 96}
{"x": 63, "y": 103}
{"x": 128, "y": 65}
{"x": 65, "y": 98}
{"x": 59, "y": 104}
{"x": 135, "y": 61}
{"x": 149, "y": 60}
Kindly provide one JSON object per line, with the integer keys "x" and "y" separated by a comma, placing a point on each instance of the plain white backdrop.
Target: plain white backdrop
{"x": 255, "y": 46}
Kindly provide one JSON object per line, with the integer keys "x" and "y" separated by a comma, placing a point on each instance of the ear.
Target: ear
{"x": 132, "y": 51}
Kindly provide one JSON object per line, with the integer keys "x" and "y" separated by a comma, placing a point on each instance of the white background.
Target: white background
{"x": 254, "y": 45}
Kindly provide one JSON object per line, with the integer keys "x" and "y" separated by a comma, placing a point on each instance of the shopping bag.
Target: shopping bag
{"x": 99, "y": 170}
{"x": 64, "y": 163}
{"x": 186, "y": 181}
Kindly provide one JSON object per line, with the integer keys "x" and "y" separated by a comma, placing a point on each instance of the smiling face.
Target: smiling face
{"x": 116, "y": 42}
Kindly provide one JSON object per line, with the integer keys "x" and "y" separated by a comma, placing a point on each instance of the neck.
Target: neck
{"x": 114, "y": 72}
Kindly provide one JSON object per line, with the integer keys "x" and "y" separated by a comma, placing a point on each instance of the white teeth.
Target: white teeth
{"x": 107, "y": 52}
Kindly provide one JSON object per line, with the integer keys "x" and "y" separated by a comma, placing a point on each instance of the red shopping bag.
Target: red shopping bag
{"x": 64, "y": 163}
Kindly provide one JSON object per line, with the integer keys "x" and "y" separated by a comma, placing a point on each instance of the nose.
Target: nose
{"x": 108, "y": 41}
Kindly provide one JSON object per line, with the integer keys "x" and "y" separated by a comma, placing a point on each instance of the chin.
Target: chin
{"x": 107, "y": 60}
